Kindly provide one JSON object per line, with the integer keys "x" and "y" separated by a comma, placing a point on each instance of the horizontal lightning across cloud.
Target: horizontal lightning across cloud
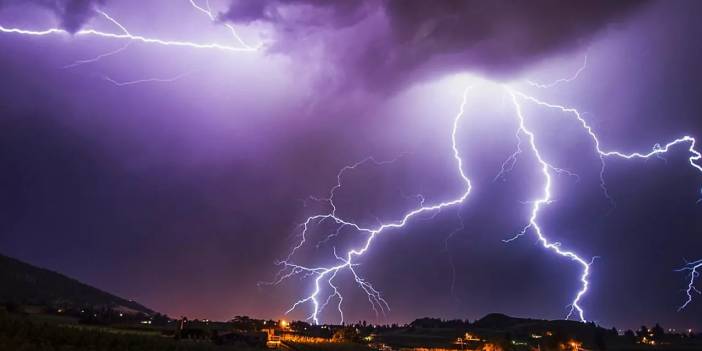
{"x": 126, "y": 36}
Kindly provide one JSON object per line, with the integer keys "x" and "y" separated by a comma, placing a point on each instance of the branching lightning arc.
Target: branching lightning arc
{"x": 694, "y": 269}
{"x": 658, "y": 149}
{"x": 126, "y": 36}
{"x": 324, "y": 276}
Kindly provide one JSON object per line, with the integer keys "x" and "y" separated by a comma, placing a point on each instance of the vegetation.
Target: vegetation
{"x": 23, "y": 334}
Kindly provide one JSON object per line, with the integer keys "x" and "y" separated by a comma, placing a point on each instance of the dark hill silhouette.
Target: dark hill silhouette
{"x": 497, "y": 325}
{"x": 501, "y": 321}
{"x": 23, "y": 283}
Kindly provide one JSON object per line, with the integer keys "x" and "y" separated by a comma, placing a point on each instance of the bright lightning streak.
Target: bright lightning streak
{"x": 546, "y": 169}
{"x": 132, "y": 38}
{"x": 207, "y": 10}
{"x": 511, "y": 161}
{"x": 325, "y": 275}
{"x": 127, "y": 36}
{"x": 107, "y": 54}
{"x": 657, "y": 151}
{"x": 123, "y": 36}
{"x": 561, "y": 80}
{"x": 694, "y": 268}
{"x": 114, "y": 21}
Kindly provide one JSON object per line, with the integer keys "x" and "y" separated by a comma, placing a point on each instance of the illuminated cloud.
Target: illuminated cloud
{"x": 385, "y": 44}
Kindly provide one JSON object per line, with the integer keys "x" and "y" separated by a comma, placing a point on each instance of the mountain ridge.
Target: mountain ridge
{"x": 23, "y": 283}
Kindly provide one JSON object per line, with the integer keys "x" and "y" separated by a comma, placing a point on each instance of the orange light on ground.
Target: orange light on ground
{"x": 574, "y": 345}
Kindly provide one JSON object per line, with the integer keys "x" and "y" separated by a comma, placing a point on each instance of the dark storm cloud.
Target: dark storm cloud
{"x": 313, "y": 12}
{"x": 71, "y": 13}
{"x": 394, "y": 41}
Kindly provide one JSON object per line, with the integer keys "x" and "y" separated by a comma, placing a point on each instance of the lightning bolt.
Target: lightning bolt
{"x": 534, "y": 226}
{"x": 107, "y": 54}
{"x": 126, "y": 35}
{"x": 524, "y": 135}
{"x": 561, "y": 80}
{"x": 207, "y": 10}
{"x": 325, "y": 275}
{"x": 509, "y": 164}
{"x": 657, "y": 148}
{"x": 694, "y": 268}
{"x": 146, "y": 80}
{"x": 657, "y": 151}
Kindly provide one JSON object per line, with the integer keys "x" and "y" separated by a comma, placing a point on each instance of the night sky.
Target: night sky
{"x": 183, "y": 191}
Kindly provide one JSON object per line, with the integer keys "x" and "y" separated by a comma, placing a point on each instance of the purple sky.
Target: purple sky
{"x": 183, "y": 194}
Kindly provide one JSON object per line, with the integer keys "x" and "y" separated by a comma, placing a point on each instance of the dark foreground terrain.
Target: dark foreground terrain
{"x": 41, "y": 310}
{"x": 25, "y": 333}
{"x": 44, "y": 332}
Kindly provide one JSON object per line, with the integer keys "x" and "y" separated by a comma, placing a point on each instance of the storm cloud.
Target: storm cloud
{"x": 72, "y": 14}
{"x": 385, "y": 44}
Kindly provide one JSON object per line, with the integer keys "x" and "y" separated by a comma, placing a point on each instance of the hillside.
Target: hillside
{"x": 510, "y": 332}
{"x": 23, "y": 283}
{"x": 528, "y": 326}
